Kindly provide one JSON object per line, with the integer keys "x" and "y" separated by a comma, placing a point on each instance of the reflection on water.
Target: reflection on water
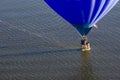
{"x": 85, "y": 72}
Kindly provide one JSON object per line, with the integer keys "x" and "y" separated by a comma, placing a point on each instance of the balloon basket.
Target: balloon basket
{"x": 85, "y": 47}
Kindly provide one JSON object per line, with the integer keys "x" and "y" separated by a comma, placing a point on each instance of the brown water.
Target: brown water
{"x": 37, "y": 44}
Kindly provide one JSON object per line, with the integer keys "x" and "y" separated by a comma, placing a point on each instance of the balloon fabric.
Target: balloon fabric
{"x": 82, "y": 14}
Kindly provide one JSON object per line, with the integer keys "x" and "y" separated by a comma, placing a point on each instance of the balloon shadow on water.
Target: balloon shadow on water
{"x": 30, "y": 53}
{"x": 85, "y": 70}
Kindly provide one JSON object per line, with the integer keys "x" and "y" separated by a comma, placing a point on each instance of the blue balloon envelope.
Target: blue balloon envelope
{"x": 82, "y": 14}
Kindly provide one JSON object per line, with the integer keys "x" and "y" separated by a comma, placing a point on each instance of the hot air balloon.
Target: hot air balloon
{"x": 82, "y": 14}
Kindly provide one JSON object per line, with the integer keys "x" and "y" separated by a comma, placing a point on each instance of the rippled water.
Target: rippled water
{"x": 37, "y": 44}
